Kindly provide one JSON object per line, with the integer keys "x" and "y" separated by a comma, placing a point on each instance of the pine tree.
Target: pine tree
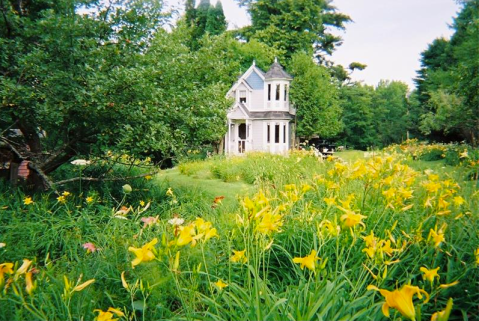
{"x": 216, "y": 21}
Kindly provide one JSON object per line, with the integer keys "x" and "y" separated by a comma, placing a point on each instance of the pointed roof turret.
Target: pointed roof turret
{"x": 277, "y": 72}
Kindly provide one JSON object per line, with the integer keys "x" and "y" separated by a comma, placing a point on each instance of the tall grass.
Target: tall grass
{"x": 305, "y": 243}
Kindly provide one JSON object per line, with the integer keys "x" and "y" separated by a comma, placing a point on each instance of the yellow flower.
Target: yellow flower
{"x": 458, "y": 200}
{"x": 330, "y": 201}
{"x": 143, "y": 254}
{"x": 169, "y": 192}
{"x": 308, "y": 261}
{"x": 270, "y": 223}
{"x": 186, "y": 235}
{"x": 108, "y": 315}
{"x": 142, "y": 203}
{"x": 239, "y": 257}
{"x": 444, "y": 314}
{"x": 148, "y": 177}
{"x": 61, "y": 199}
{"x": 27, "y": 200}
{"x": 23, "y": 269}
{"x": 211, "y": 233}
{"x": 476, "y": 253}
{"x": 89, "y": 199}
{"x": 66, "y": 194}
{"x": 401, "y": 300}
{"x": 29, "y": 286}
{"x": 429, "y": 274}
{"x": 448, "y": 285}
{"x": 5, "y": 268}
{"x": 220, "y": 284}
{"x": 123, "y": 281}
{"x": 436, "y": 236}
{"x": 82, "y": 286}
{"x": 464, "y": 154}
{"x": 351, "y": 219}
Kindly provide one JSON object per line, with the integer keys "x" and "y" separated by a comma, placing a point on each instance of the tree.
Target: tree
{"x": 216, "y": 21}
{"x": 449, "y": 80}
{"x": 360, "y": 130}
{"x": 295, "y": 25}
{"x": 390, "y": 107}
{"x": 315, "y": 98}
{"x": 81, "y": 84}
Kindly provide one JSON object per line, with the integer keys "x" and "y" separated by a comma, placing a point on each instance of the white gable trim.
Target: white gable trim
{"x": 232, "y": 114}
{"x": 237, "y": 84}
{"x": 242, "y": 79}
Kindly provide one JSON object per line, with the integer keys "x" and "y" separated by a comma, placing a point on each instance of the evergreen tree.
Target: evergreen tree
{"x": 216, "y": 21}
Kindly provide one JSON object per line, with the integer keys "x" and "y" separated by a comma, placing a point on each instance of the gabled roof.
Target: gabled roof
{"x": 277, "y": 72}
{"x": 243, "y": 77}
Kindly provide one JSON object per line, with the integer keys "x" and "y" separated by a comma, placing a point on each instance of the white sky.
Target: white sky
{"x": 386, "y": 35}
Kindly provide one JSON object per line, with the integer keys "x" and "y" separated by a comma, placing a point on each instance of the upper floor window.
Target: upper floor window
{"x": 277, "y": 92}
{"x": 242, "y": 96}
{"x": 269, "y": 92}
{"x": 285, "y": 92}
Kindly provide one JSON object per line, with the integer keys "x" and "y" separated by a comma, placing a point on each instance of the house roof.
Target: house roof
{"x": 242, "y": 112}
{"x": 277, "y": 72}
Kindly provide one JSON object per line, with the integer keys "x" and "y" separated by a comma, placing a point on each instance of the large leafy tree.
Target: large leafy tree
{"x": 390, "y": 108}
{"x": 79, "y": 84}
{"x": 315, "y": 97}
{"x": 448, "y": 83}
{"x": 295, "y": 25}
{"x": 360, "y": 130}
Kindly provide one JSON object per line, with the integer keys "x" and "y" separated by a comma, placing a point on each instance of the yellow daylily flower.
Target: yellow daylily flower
{"x": 401, "y": 300}
{"x": 270, "y": 223}
{"x": 330, "y": 201}
{"x": 239, "y": 257}
{"x": 220, "y": 284}
{"x": 436, "y": 236}
{"x": 143, "y": 254}
{"x": 108, "y": 315}
{"x": 29, "y": 286}
{"x": 27, "y": 200}
{"x": 429, "y": 274}
{"x": 458, "y": 200}
{"x": 186, "y": 235}
{"x": 123, "y": 281}
{"x": 89, "y": 199}
{"x": 23, "y": 269}
{"x": 82, "y": 286}
{"x": 444, "y": 314}
{"x": 211, "y": 233}
{"x": 5, "y": 268}
{"x": 308, "y": 261}
{"x": 351, "y": 219}
{"x": 476, "y": 253}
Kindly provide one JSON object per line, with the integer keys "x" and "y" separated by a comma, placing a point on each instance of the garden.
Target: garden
{"x": 358, "y": 236}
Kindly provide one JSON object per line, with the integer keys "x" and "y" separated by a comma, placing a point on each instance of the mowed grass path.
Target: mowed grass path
{"x": 206, "y": 187}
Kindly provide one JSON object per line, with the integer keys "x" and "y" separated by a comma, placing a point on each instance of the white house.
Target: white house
{"x": 261, "y": 118}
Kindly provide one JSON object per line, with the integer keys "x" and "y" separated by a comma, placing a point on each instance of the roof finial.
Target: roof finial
{"x": 254, "y": 62}
{"x": 276, "y": 59}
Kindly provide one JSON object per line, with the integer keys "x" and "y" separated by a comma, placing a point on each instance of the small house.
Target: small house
{"x": 261, "y": 117}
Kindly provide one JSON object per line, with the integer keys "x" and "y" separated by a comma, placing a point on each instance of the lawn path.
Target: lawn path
{"x": 205, "y": 187}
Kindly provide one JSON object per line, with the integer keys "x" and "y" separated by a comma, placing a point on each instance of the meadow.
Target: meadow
{"x": 359, "y": 236}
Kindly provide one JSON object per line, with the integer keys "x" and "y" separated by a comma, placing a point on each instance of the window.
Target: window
{"x": 242, "y": 96}
{"x": 285, "y": 92}
{"x": 268, "y": 135}
{"x": 277, "y": 92}
{"x": 276, "y": 133}
{"x": 284, "y": 134}
{"x": 242, "y": 131}
{"x": 269, "y": 92}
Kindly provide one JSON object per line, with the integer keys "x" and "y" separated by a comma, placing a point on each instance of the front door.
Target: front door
{"x": 242, "y": 138}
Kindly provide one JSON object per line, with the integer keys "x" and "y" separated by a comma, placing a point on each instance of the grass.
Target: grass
{"x": 293, "y": 238}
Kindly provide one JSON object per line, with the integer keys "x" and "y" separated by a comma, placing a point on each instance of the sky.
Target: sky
{"x": 386, "y": 35}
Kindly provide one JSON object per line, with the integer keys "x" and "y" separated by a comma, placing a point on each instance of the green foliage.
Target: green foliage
{"x": 358, "y": 117}
{"x": 448, "y": 80}
{"x": 181, "y": 281}
{"x": 295, "y": 26}
{"x": 315, "y": 98}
